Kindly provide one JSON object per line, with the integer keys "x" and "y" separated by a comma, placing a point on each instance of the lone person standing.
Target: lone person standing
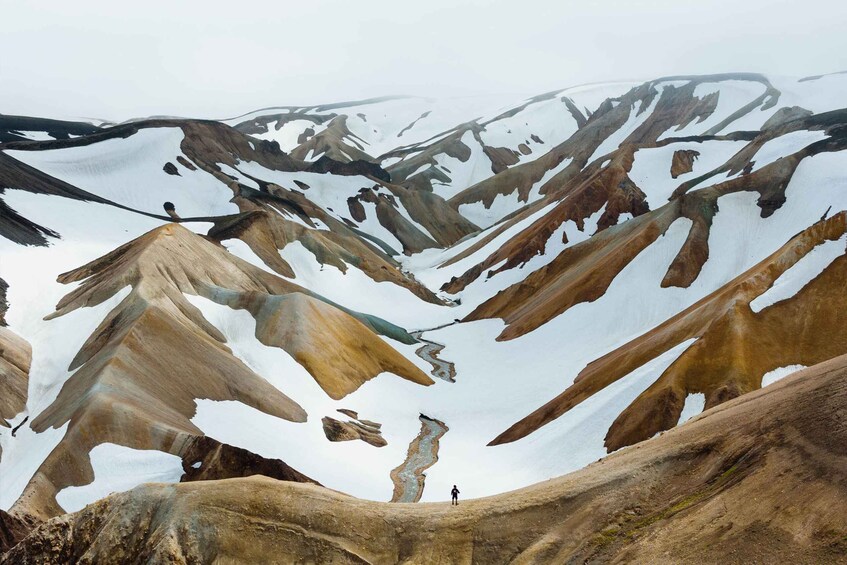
{"x": 455, "y": 494}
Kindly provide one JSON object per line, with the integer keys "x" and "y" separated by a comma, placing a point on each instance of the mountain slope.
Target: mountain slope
{"x": 577, "y": 271}
{"x": 118, "y": 394}
{"x": 737, "y": 343}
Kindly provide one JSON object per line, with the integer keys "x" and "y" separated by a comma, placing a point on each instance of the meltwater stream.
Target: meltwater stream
{"x": 423, "y": 453}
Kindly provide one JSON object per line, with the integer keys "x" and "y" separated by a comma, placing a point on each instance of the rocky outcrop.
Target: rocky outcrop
{"x": 683, "y": 162}
{"x": 784, "y": 115}
{"x": 156, "y": 331}
{"x": 389, "y": 216}
{"x": 336, "y": 142}
{"x": 304, "y": 137}
{"x": 581, "y": 188}
{"x": 582, "y": 272}
{"x": 206, "y": 459}
{"x": 724, "y": 488}
{"x": 262, "y": 124}
{"x": 442, "y": 222}
{"x": 502, "y": 157}
{"x": 418, "y": 156}
{"x": 170, "y": 209}
{"x": 353, "y": 429}
{"x": 171, "y": 169}
{"x": 13, "y": 528}
{"x": 18, "y": 229}
{"x": 364, "y": 167}
{"x": 12, "y": 126}
{"x": 267, "y": 225}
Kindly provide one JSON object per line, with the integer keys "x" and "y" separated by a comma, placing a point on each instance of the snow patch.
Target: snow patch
{"x": 118, "y": 468}
{"x": 651, "y": 169}
{"x": 800, "y": 274}
{"x": 505, "y": 204}
{"x": 129, "y": 171}
{"x": 780, "y": 373}
{"x": 785, "y": 145}
{"x": 694, "y": 404}
{"x": 22, "y": 456}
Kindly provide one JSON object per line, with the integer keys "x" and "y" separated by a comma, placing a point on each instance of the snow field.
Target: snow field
{"x": 129, "y": 172}
{"x": 118, "y": 468}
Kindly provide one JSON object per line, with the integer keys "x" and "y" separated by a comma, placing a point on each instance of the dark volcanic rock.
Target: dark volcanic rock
{"x": 786, "y": 114}
{"x": 186, "y": 163}
{"x": 3, "y": 304}
{"x": 18, "y": 229}
{"x": 11, "y": 126}
{"x": 171, "y": 169}
{"x": 171, "y": 210}
{"x": 206, "y": 459}
{"x": 304, "y": 137}
{"x": 359, "y": 167}
{"x": 501, "y": 157}
{"x": 357, "y": 210}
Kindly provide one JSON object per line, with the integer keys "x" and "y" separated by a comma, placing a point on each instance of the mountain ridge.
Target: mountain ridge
{"x": 589, "y": 266}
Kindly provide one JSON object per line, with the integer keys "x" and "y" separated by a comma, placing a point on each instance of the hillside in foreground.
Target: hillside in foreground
{"x": 759, "y": 479}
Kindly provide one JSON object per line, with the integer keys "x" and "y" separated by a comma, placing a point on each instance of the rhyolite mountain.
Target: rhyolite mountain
{"x": 391, "y": 296}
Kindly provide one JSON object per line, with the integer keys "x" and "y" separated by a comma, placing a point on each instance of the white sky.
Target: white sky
{"x": 216, "y": 59}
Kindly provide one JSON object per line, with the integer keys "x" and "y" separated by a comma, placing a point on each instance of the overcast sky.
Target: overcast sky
{"x": 216, "y": 59}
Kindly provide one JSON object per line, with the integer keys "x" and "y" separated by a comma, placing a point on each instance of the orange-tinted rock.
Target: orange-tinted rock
{"x": 683, "y": 162}
{"x": 355, "y": 429}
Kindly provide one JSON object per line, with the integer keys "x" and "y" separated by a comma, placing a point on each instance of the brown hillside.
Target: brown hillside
{"x": 138, "y": 375}
{"x": 15, "y": 359}
{"x": 735, "y": 346}
{"x": 757, "y": 480}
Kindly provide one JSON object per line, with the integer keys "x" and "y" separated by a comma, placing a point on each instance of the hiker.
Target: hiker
{"x": 455, "y": 494}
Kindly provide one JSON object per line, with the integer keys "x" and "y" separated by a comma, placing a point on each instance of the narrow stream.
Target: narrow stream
{"x": 409, "y": 477}
{"x": 444, "y": 370}
{"x": 422, "y": 454}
